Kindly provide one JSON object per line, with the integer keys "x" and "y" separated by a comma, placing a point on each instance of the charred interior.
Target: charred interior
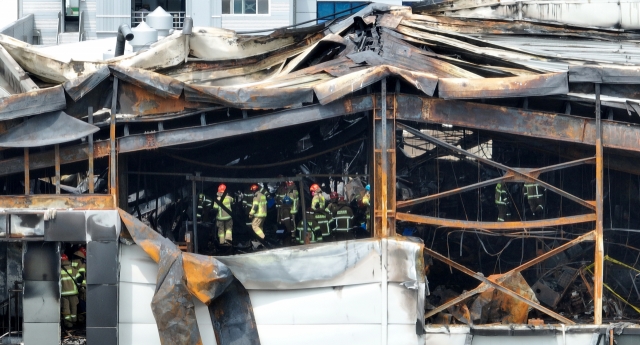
{"x": 517, "y": 169}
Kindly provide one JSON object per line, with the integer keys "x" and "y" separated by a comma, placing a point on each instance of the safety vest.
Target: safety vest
{"x": 79, "y": 271}
{"x": 295, "y": 197}
{"x": 322, "y": 220}
{"x": 67, "y": 284}
{"x": 366, "y": 200}
{"x": 312, "y": 228}
{"x": 259, "y": 206}
{"x": 203, "y": 204}
{"x": 318, "y": 202}
{"x": 501, "y": 194}
{"x": 343, "y": 216}
{"x": 532, "y": 190}
{"x": 222, "y": 214}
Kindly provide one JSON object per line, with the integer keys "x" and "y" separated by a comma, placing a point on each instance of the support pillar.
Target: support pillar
{"x": 384, "y": 166}
{"x": 599, "y": 238}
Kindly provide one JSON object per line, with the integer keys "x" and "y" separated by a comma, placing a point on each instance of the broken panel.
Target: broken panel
{"x": 41, "y": 261}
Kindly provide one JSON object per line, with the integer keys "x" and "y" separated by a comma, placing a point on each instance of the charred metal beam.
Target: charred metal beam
{"x": 537, "y": 124}
{"x": 276, "y": 120}
{"x": 482, "y": 287}
{"x": 498, "y": 286}
{"x": 427, "y": 198}
{"x": 27, "y": 188}
{"x": 461, "y": 298}
{"x": 521, "y": 86}
{"x": 500, "y": 166}
{"x": 70, "y": 154}
{"x": 589, "y": 236}
{"x": 599, "y": 245}
{"x": 90, "y": 153}
{"x": 463, "y": 224}
{"x": 53, "y": 201}
{"x": 32, "y": 103}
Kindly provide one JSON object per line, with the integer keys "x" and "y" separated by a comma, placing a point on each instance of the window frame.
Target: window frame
{"x": 231, "y": 7}
{"x": 352, "y": 5}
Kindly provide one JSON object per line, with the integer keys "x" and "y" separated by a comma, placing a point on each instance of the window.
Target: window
{"x": 328, "y": 10}
{"x": 245, "y": 6}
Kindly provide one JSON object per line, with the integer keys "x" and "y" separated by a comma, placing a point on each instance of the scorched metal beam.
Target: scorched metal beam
{"x": 530, "y": 123}
{"x": 245, "y": 126}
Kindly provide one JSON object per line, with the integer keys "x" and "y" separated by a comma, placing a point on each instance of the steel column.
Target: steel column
{"x": 599, "y": 245}
{"x": 112, "y": 137}
{"x": 303, "y": 206}
{"x": 57, "y": 167}
{"x": 27, "y": 188}
{"x": 90, "y": 153}
{"x": 194, "y": 205}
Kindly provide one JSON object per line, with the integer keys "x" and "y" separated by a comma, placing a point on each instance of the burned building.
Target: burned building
{"x": 487, "y": 158}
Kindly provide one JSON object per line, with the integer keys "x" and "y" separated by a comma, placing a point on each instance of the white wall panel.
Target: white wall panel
{"x": 402, "y": 305}
{"x": 354, "y": 304}
{"x": 353, "y": 334}
{"x": 135, "y": 303}
{"x": 404, "y": 335}
{"x": 138, "y": 334}
{"x": 136, "y": 266}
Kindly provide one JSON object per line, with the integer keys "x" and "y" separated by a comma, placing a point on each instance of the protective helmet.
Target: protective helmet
{"x": 254, "y": 188}
{"x": 368, "y": 188}
{"x": 289, "y": 183}
{"x": 81, "y": 252}
{"x": 201, "y": 196}
{"x": 221, "y": 188}
{"x": 314, "y": 187}
{"x": 334, "y": 195}
{"x": 64, "y": 257}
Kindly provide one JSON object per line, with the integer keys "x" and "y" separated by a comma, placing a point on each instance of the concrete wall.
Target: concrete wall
{"x": 21, "y": 29}
{"x": 46, "y": 17}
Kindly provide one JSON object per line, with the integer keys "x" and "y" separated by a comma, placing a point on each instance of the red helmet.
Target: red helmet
{"x": 64, "y": 257}
{"x": 221, "y": 188}
{"x": 81, "y": 252}
{"x": 290, "y": 183}
{"x": 254, "y": 188}
{"x": 334, "y": 195}
{"x": 314, "y": 187}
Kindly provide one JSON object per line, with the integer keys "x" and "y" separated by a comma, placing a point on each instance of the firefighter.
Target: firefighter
{"x": 204, "y": 207}
{"x": 286, "y": 202}
{"x": 258, "y": 211}
{"x": 68, "y": 292}
{"x": 312, "y": 229}
{"x": 321, "y": 213}
{"x": 534, "y": 195}
{"x": 79, "y": 266}
{"x": 318, "y": 202}
{"x": 342, "y": 216}
{"x": 223, "y": 218}
{"x": 366, "y": 202}
{"x": 247, "y": 201}
{"x": 502, "y": 202}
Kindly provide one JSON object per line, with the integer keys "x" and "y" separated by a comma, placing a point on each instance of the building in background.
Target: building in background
{"x": 65, "y": 21}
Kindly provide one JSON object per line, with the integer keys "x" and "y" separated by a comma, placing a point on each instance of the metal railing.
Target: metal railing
{"x": 11, "y": 314}
{"x": 178, "y": 18}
